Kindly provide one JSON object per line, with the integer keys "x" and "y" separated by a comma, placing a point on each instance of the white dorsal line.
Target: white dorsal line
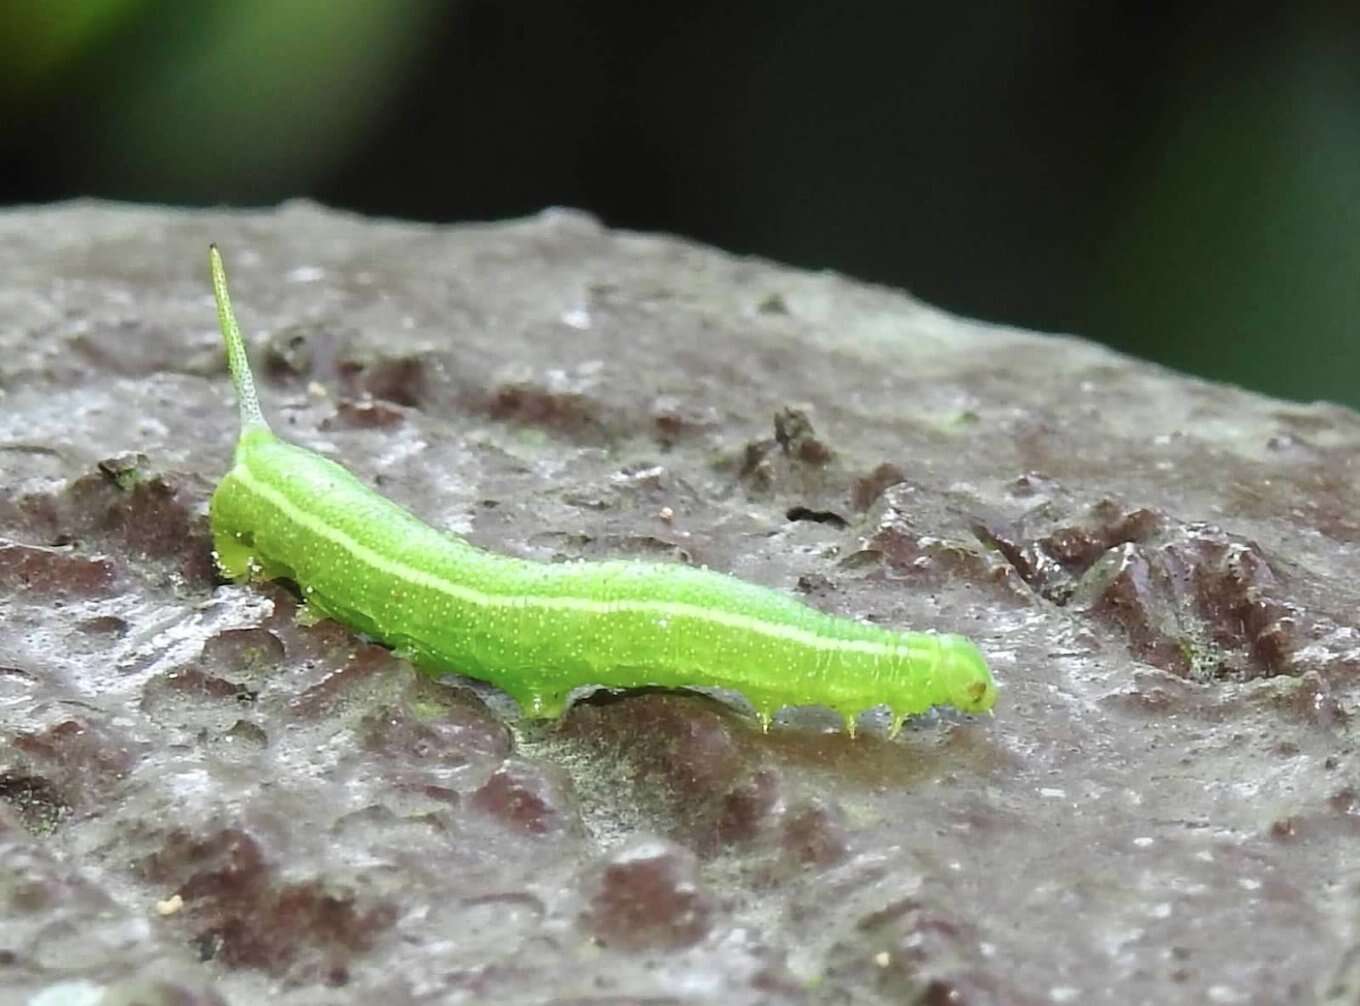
{"x": 461, "y": 592}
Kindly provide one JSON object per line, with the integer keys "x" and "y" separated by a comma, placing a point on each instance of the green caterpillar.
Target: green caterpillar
{"x": 539, "y": 631}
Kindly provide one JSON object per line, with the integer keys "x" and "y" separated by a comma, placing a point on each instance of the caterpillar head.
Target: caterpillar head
{"x": 971, "y": 687}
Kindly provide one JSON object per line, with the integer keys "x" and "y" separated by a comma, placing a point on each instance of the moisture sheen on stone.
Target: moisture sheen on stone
{"x": 207, "y": 798}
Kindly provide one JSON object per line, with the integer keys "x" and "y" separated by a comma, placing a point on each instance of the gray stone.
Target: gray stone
{"x": 194, "y": 783}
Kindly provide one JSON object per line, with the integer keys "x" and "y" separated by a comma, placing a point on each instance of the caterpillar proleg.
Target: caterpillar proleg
{"x": 538, "y": 631}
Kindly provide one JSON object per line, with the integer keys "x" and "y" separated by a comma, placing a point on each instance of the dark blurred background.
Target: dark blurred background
{"x": 1179, "y": 181}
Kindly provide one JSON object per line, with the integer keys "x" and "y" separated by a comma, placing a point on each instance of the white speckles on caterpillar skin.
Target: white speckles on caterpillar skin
{"x": 540, "y": 631}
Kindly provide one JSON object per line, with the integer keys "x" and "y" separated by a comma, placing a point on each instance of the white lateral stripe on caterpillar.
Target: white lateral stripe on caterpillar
{"x": 467, "y": 594}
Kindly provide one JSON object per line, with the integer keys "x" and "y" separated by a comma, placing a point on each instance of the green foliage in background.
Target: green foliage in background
{"x": 1235, "y": 251}
{"x": 216, "y": 102}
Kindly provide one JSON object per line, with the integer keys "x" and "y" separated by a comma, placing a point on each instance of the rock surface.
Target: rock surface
{"x": 204, "y": 799}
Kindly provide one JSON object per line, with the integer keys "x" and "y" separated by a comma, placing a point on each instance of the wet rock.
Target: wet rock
{"x": 364, "y": 414}
{"x": 104, "y": 625}
{"x": 154, "y": 992}
{"x": 148, "y": 513}
{"x": 795, "y": 461}
{"x": 401, "y": 380}
{"x": 1198, "y": 602}
{"x": 677, "y": 743}
{"x": 676, "y": 419}
{"x": 49, "y": 572}
{"x": 303, "y": 352}
{"x": 239, "y": 913}
{"x": 647, "y": 896}
{"x": 741, "y": 811}
{"x": 248, "y": 734}
{"x": 195, "y": 684}
{"x": 688, "y": 762}
{"x": 527, "y": 798}
{"x": 911, "y": 952}
{"x": 917, "y": 535}
{"x": 557, "y": 407}
{"x": 814, "y": 834}
{"x": 828, "y": 517}
{"x": 231, "y": 669}
{"x": 361, "y": 675}
{"x": 795, "y": 436}
{"x": 866, "y": 490}
{"x": 436, "y": 734}
{"x": 242, "y": 651}
{"x": 83, "y": 761}
{"x": 1160, "y": 572}
{"x": 35, "y": 801}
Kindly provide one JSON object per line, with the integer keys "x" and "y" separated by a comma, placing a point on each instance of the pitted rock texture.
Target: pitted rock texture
{"x": 207, "y": 797}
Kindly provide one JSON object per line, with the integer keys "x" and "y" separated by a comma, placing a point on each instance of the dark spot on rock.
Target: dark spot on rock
{"x": 370, "y": 662}
{"x": 646, "y": 896}
{"x": 915, "y": 545}
{"x": 681, "y": 742}
{"x": 1284, "y": 829}
{"x": 1154, "y": 693}
{"x": 798, "y": 513}
{"x": 242, "y": 650}
{"x": 131, "y": 348}
{"x": 678, "y": 419}
{"x": 363, "y": 414}
{"x": 434, "y": 732}
{"x": 361, "y": 825}
{"x": 1311, "y": 700}
{"x": 1189, "y": 598}
{"x": 248, "y": 733}
{"x": 290, "y": 353}
{"x": 150, "y": 514}
{"x": 529, "y": 798}
{"x": 193, "y": 683}
{"x": 572, "y": 413}
{"x": 124, "y": 471}
{"x": 1030, "y": 484}
{"x": 228, "y": 662}
{"x": 1051, "y": 554}
{"x": 103, "y": 625}
{"x": 647, "y": 546}
{"x": 814, "y": 834}
{"x": 1346, "y": 802}
{"x": 815, "y": 585}
{"x": 680, "y": 753}
{"x": 83, "y": 760}
{"x": 1132, "y": 601}
{"x": 773, "y": 304}
{"x": 1201, "y": 602}
{"x": 403, "y": 380}
{"x": 50, "y": 572}
{"x": 242, "y": 916}
{"x": 741, "y": 812}
{"x": 914, "y": 953}
{"x": 795, "y": 436}
{"x": 866, "y": 489}
{"x": 756, "y": 468}
{"x": 16, "y": 674}
{"x": 36, "y": 802}
{"x": 793, "y": 463}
